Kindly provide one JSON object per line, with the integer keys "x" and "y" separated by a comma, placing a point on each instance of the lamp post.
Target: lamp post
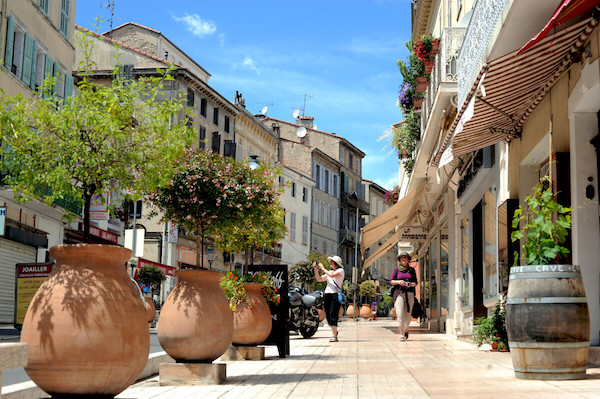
{"x": 354, "y": 197}
{"x": 210, "y": 256}
{"x": 254, "y": 161}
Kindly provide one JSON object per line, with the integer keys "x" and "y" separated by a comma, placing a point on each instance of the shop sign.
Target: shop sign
{"x": 99, "y": 206}
{"x": 167, "y": 270}
{"x": 29, "y": 277}
{"x": 188, "y": 256}
{"x": 106, "y": 235}
{"x": 413, "y": 234}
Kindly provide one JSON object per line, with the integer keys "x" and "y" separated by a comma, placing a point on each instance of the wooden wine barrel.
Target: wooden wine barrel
{"x": 548, "y": 322}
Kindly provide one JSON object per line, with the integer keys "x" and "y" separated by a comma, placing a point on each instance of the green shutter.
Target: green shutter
{"x": 27, "y": 57}
{"x": 68, "y": 85}
{"x": 10, "y": 39}
{"x": 33, "y": 64}
{"x": 56, "y": 77}
{"x": 48, "y": 67}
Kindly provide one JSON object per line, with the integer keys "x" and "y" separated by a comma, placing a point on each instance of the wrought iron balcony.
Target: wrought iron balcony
{"x": 444, "y": 68}
{"x": 350, "y": 201}
{"x": 486, "y": 14}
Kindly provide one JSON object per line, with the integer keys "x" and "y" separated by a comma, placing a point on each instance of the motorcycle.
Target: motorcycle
{"x": 304, "y": 317}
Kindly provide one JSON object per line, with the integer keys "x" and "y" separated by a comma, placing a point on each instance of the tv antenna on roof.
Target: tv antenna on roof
{"x": 264, "y": 110}
{"x": 111, "y": 7}
{"x": 301, "y": 131}
{"x": 304, "y": 107}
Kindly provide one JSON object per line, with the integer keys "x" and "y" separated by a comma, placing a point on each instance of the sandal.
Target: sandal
{"x": 403, "y": 338}
{"x": 333, "y": 339}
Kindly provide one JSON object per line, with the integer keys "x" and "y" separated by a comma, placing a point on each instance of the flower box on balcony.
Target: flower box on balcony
{"x": 421, "y": 84}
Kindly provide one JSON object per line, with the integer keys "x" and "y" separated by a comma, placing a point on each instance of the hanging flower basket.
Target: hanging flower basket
{"x": 428, "y": 66}
{"x": 421, "y": 84}
{"x": 426, "y": 48}
{"x": 435, "y": 47}
{"x": 417, "y": 102}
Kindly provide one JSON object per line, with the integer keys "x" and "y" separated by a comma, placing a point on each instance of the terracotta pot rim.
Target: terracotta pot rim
{"x": 198, "y": 273}
{"x": 114, "y": 252}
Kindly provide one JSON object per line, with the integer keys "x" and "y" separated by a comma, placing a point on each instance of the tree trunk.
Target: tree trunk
{"x": 200, "y": 247}
{"x": 88, "y": 191}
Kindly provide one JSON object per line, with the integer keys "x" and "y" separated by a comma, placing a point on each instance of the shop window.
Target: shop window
{"x": 490, "y": 246}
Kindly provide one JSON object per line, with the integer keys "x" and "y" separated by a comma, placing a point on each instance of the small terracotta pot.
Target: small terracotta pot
{"x": 365, "y": 311}
{"x": 421, "y": 84}
{"x": 195, "y": 322}
{"x": 150, "y": 309}
{"x": 428, "y": 66}
{"x": 417, "y": 102}
{"x": 251, "y": 326}
{"x": 86, "y": 327}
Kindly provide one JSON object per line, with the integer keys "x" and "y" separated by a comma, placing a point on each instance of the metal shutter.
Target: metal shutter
{"x": 11, "y": 253}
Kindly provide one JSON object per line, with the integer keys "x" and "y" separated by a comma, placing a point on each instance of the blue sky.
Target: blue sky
{"x": 340, "y": 54}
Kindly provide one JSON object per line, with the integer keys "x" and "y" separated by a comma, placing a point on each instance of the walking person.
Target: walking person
{"x": 335, "y": 279}
{"x": 405, "y": 278}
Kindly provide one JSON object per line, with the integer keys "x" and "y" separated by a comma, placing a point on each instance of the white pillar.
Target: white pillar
{"x": 586, "y": 227}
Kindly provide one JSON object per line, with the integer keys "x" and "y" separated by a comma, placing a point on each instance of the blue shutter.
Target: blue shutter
{"x": 68, "y": 85}
{"x": 48, "y": 67}
{"x": 33, "y": 64}
{"x": 27, "y": 57}
{"x": 10, "y": 39}
{"x": 56, "y": 73}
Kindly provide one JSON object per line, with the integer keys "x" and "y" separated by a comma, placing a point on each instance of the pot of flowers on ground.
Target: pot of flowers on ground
{"x": 86, "y": 327}
{"x": 248, "y": 298}
{"x": 366, "y": 290}
{"x": 547, "y": 314}
{"x": 492, "y": 330}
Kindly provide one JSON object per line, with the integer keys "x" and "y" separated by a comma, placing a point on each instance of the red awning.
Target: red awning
{"x": 567, "y": 10}
{"x": 514, "y": 86}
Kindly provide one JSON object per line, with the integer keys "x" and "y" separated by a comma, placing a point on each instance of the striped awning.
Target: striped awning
{"x": 514, "y": 85}
{"x": 395, "y": 217}
{"x": 567, "y": 10}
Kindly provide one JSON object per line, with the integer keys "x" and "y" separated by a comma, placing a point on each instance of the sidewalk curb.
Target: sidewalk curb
{"x": 28, "y": 390}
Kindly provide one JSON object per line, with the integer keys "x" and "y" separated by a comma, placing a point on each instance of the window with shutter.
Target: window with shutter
{"x": 226, "y": 127}
{"x": 65, "y": 11}
{"x": 203, "y": 107}
{"x": 27, "y": 59}
{"x": 304, "y": 230}
{"x": 201, "y": 138}
{"x": 10, "y": 40}
{"x": 292, "y": 226}
{"x": 190, "y": 97}
{"x": 44, "y": 6}
{"x": 216, "y": 116}
{"x": 216, "y": 142}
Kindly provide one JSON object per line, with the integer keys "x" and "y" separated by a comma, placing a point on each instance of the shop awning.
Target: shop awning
{"x": 398, "y": 215}
{"x": 514, "y": 85}
{"x": 567, "y": 10}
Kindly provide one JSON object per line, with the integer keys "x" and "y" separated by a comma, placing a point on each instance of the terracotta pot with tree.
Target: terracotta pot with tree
{"x": 86, "y": 327}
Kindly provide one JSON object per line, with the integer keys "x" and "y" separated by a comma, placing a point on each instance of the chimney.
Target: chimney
{"x": 306, "y": 121}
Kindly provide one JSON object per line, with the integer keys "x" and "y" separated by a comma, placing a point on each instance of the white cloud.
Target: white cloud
{"x": 196, "y": 25}
{"x": 249, "y": 63}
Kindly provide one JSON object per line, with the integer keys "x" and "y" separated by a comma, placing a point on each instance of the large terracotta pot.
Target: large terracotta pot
{"x": 365, "y": 311}
{"x": 251, "y": 326}
{"x": 150, "y": 309}
{"x": 86, "y": 326}
{"x": 195, "y": 322}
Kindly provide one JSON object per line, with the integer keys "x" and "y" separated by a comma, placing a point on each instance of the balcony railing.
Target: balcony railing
{"x": 444, "y": 67}
{"x": 486, "y": 14}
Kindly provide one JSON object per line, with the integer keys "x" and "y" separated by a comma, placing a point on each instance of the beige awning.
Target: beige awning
{"x": 397, "y": 216}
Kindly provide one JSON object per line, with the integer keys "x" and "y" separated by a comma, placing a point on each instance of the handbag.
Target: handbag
{"x": 341, "y": 295}
{"x": 417, "y": 310}
{"x": 392, "y": 290}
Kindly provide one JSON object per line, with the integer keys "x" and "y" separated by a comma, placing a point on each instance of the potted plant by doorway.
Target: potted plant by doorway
{"x": 543, "y": 290}
{"x": 492, "y": 330}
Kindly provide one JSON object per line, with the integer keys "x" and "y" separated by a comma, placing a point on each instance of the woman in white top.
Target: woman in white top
{"x": 335, "y": 279}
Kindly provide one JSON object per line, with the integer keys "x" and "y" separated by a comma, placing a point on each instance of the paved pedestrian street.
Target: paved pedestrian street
{"x": 369, "y": 362}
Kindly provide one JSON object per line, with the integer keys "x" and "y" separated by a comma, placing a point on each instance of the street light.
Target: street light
{"x": 354, "y": 197}
{"x": 254, "y": 161}
{"x": 210, "y": 256}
